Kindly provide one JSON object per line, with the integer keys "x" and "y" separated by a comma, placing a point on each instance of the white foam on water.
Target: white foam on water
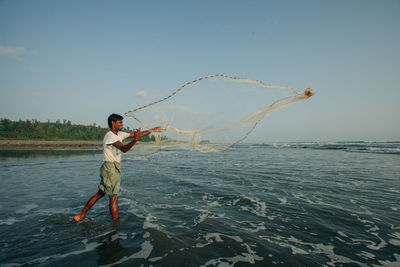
{"x": 366, "y": 211}
{"x": 26, "y": 209}
{"x": 342, "y": 234}
{"x": 341, "y": 240}
{"x": 255, "y": 227}
{"x": 98, "y": 236}
{"x": 382, "y": 244}
{"x": 359, "y": 241}
{"x": 88, "y": 247}
{"x": 283, "y": 200}
{"x": 234, "y": 202}
{"x": 214, "y": 204}
{"x": 58, "y": 198}
{"x": 303, "y": 197}
{"x": 256, "y": 207}
{"x": 201, "y": 218}
{"x": 134, "y": 207}
{"x": 327, "y": 250}
{"x": 272, "y": 217}
{"x": 148, "y": 223}
{"x": 209, "y": 196}
{"x": 393, "y": 190}
{"x": 364, "y": 221}
{"x": 9, "y": 221}
{"x": 249, "y": 257}
{"x": 211, "y": 200}
{"x": 347, "y": 210}
{"x": 395, "y": 263}
{"x": 394, "y": 242}
{"x": 394, "y": 227}
{"x": 118, "y": 236}
{"x": 298, "y": 195}
{"x": 309, "y": 201}
{"x": 146, "y": 235}
{"x": 39, "y": 235}
{"x": 144, "y": 253}
{"x": 280, "y": 241}
{"x": 258, "y": 227}
{"x": 204, "y": 214}
{"x": 217, "y": 237}
{"x": 123, "y": 236}
{"x": 369, "y": 243}
{"x": 366, "y": 255}
{"x": 395, "y": 235}
{"x": 163, "y": 206}
{"x": 155, "y": 259}
{"x": 187, "y": 207}
{"x": 373, "y": 229}
{"x": 199, "y": 245}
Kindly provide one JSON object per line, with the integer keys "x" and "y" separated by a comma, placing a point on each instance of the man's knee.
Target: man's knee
{"x": 101, "y": 193}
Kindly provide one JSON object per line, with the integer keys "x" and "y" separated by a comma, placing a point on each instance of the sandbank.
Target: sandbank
{"x": 35, "y": 144}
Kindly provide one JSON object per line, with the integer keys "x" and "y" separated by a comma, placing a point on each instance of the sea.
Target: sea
{"x": 274, "y": 204}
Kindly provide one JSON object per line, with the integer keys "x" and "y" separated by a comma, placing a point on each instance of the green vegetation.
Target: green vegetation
{"x": 52, "y": 131}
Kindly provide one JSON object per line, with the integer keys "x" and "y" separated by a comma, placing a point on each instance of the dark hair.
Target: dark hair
{"x": 114, "y": 117}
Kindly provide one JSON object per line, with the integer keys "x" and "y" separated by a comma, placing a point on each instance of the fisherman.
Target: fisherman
{"x": 110, "y": 171}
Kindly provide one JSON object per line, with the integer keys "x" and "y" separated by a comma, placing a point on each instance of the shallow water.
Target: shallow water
{"x": 275, "y": 204}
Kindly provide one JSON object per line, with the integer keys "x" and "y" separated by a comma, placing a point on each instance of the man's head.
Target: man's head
{"x": 114, "y": 118}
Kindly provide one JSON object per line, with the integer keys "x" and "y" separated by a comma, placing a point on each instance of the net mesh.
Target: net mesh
{"x": 212, "y": 113}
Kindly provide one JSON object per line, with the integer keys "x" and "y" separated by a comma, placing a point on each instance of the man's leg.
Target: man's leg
{"x": 89, "y": 204}
{"x": 114, "y": 207}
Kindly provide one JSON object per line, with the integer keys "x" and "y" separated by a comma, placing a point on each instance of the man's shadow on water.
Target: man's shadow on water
{"x": 128, "y": 230}
{"x": 111, "y": 249}
{"x": 117, "y": 238}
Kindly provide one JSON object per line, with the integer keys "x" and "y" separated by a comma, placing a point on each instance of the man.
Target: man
{"x": 110, "y": 171}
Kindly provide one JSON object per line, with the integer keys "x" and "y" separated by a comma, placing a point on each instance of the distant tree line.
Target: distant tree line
{"x": 36, "y": 130}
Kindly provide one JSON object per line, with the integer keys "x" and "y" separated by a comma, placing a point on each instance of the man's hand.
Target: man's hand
{"x": 156, "y": 129}
{"x": 136, "y": 134}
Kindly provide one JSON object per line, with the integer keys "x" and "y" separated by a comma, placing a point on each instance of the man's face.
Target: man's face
{"x": 117, "y": 125}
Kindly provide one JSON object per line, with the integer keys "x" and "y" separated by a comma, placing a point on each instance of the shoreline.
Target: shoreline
{"x": 36, "y": 144}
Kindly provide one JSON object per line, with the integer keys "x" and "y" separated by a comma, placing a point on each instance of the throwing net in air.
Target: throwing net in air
{"x": 212, "y": 113}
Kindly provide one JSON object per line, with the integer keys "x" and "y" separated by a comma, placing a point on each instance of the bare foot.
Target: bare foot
{"x": 78, "y": 218}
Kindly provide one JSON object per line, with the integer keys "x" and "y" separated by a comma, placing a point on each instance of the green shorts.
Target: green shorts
{"x": 110, "y": 174}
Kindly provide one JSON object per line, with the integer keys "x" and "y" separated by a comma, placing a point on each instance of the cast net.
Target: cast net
{"x": 212, "y": 113}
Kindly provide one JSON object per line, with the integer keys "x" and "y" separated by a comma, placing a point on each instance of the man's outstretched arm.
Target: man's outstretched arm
{"x": 144, "y": 133}
{"x": 136, "y": 135}
{"x": 125, "y": 148}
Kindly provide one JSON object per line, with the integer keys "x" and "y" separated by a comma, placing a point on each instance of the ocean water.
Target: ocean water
{"x": 292, "y": 204}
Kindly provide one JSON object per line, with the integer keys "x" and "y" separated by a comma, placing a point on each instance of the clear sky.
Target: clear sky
{"x": 82, "y": 60}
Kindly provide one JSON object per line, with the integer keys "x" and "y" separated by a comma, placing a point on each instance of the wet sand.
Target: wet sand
{"x": 33, "y": 144}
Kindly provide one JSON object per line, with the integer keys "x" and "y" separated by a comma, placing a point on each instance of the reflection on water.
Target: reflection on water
{"x": 37, "y": 154}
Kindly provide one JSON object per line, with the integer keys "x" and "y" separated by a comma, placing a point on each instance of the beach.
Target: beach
{"x": 60, "y": 144}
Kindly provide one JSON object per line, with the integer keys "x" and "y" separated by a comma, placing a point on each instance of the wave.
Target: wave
{"x": 392, "y": 147}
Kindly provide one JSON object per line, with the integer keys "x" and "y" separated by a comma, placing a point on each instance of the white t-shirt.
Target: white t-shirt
{"x": 111, "y": 153}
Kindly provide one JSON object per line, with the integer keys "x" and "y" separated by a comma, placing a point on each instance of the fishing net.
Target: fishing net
{"x": 212, "y": 113}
